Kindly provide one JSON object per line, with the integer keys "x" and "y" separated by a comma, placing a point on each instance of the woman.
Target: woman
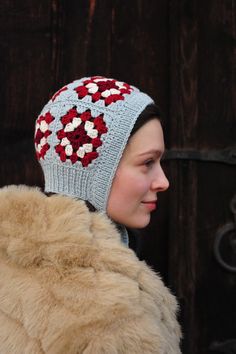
{"x": 69, "y": 283}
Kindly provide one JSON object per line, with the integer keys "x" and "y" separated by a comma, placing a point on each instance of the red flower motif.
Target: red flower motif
{"x": 86, "y": 160}
{"x": 96, "y": 96}
{"x": 63, "y": 156}
{"x": 102, "y": 129}
{"x": 39, "y": 135}
{"x": 96, "y": 142}
{"x": 46, "y": 146}
{"x": 106, "y": 85}
{"x": 48, "y": 118}
{"x": 113, "y": 98}
{"x": 85, "y": 116}
{"x": 43, "y": 151}
{"x": 61, "y": 134}
{"x": 59, "y": 149}
{"x": 124, "y": 91}
{"x": 98, "y": 120}
{"x": 42, "y": 133}
{"x": 74, "y": 158}
{"x": 86, "y": 82}
{"x": 78, "y": 137}
{"x": 79, "y": 143}
{"x": 82, "y": 91}
{"x": 100, "y": 125}
{"x": 93, "y": 155}
{"x": 67, "y": 118}
{"x": 47, "y": 133}
{"x": 96, "y": 85}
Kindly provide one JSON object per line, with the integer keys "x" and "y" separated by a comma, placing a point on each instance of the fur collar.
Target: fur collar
{"x": 56, "y": 239}
{"x": 37, "y": 229}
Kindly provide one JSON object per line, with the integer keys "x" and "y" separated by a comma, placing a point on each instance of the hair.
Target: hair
{"x": 151, "y": 111}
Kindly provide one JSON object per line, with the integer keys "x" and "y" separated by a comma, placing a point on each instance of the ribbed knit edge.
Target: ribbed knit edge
{"x": 114, "y": 148}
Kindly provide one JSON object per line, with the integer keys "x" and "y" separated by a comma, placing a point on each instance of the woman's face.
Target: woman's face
{"x": 139, "y": 178}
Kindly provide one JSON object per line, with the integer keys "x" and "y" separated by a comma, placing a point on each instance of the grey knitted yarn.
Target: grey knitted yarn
{"x": 81, "y": 134}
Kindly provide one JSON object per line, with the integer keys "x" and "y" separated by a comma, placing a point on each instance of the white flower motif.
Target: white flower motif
{"x": 65, "y": 142}
{"x": 92, "y": 87}
{"x": 120, "y": 84}
{"x": 92, "y": 133}
{"x": 114, "y": 91}
{"x": 93, "y": 90}
{"x": 69, "y": 150}
{"x": 80, "y": 152}
{"x": 88, "y": 125}
{"x": 76, "y": 122}
{"x": 43, "y": 126}
{"x": 69, "y": 128}
{"x": 43, "y": 141}
{"x": 102, "y": 79}
{"x": 88, "y": 147}
{"x": 91, "y": 84}
{"x": 106, "y": 93}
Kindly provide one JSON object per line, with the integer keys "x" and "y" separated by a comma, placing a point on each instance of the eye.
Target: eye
{"x": 149, "y": 162}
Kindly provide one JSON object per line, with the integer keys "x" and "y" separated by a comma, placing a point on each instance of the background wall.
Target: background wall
{"x": 183, "y": 54}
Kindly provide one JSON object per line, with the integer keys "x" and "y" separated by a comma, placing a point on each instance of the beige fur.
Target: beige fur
{"x": 68, "y": 285}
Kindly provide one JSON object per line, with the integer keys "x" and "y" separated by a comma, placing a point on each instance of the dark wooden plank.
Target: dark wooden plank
{"x": 25, "y": 47}
{"x": 24, "y": 16}
{"x": 217, "y": 72}
{"x": 184, "y": 75}
{"x": 183, "y": 120}
{"x": 25, "y": 60}
{"x": 140, "y": 46}
{"x": 202, "y": 116}
{"x": 86, "y": 39}
{"x": 202, "y": 67}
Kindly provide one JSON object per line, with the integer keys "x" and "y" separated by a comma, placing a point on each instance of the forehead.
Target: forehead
{"x": 148, "y": 137}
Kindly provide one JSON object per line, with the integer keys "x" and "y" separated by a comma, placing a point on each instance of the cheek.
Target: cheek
{"x": 124, "y": 202}
{"x": 137, "y": 188}
{"x": 129, "y": 188}
{"x": 120, "y": 188}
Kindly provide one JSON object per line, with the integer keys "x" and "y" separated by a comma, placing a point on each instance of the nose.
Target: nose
{"x": 160, "y": 183}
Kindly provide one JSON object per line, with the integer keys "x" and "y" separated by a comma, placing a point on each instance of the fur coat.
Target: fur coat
{"x": 68, "y": 285}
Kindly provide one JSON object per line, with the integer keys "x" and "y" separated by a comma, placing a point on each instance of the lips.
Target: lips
{"x": 151, "y": 205}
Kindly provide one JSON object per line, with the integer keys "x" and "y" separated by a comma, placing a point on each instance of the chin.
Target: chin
{"x": 139, "y": 223}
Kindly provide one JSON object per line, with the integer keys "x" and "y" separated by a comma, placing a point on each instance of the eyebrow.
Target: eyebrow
{"x": 156, "y": 152}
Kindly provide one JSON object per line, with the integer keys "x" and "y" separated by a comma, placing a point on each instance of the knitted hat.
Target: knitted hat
{"x": 81, "y": 134}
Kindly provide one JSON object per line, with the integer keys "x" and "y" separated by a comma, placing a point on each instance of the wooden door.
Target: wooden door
{"x": 183, "y": 54}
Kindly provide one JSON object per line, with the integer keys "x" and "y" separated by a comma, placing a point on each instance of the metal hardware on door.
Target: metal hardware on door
{"x": 228, "y": 230}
